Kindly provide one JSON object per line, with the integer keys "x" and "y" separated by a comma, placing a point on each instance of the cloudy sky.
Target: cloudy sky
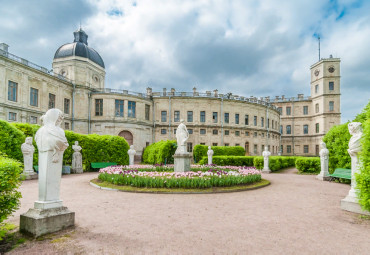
{"x": 247, "y": 47}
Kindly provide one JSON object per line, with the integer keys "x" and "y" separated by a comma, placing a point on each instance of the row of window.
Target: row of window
{"x": 202, "y": 118}
{"x": 255, "y": 147}
{"x": 288, "y": 129}
{"x": 33, "y": 119}
{"x": 119, "y": 108}
{"x": 34, "y": 97}
{"x": 331, "y": 87}
{"x": 305, "y": 109}
{"x": 289, "y": 148}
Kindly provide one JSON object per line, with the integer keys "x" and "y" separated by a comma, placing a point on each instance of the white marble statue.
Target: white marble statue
{"x": 51, "y": 143}
{"x": 182, "y": 136}
{"x": 266, "y": 154}
{"x": 210, "y": 155}
{"x": 77, "y": 159}
{"x": 131, "y": 153}
{"x": 28, "y": 150}
{"x": 324, "y": 160}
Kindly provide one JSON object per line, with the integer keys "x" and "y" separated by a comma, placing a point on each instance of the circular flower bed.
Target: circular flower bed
{"x": 200, "y": 177}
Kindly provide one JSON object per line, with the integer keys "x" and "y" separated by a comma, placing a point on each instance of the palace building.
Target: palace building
{"x": 76, "y": 85}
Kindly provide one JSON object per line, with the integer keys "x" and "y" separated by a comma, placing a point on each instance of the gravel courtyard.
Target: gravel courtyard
{"x": 296, "y": 214}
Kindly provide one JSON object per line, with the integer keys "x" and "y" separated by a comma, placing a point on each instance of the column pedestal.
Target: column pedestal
{"x": 182, "y": 162}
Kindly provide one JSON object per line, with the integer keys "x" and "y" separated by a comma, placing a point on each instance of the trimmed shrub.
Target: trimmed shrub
{"x": 10, "y": 171}
{"x": 200, "y": 151}
{"x": 160, "y": 152}
{"x": 229, "y": 160}
{"x": 11, "y": 140}
{"x": 275, "y": 162}
{"x": 308, "y": 165}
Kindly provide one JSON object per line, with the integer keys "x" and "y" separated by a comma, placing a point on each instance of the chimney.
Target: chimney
{"x": 148, "y": 91}
{"x": 164, "y": 91}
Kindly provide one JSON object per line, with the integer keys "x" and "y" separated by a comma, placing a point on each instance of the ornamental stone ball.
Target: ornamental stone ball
{"x": 28, "y": 149}
{"x": 266, "y": 154}
{"x": 182, "y": 136}
{"x": 131, "y": 153}
{"x": 210, "y": 155}
{"x": 324, "y": 162}
{"x": 77, "y": 159}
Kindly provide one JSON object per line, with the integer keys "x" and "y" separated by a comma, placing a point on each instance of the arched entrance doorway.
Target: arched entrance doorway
{"x": 128, "y": 136}
{"x": 246, "y": 148}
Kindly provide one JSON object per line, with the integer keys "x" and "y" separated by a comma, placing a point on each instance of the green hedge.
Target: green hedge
{"x": 11, "y": 140}
{"x": 200, "y": 151}
{"x": 229, "y": 160}
{"x": 275, "y": 162}
{"x": 160, "y": 152}
{"x": 308, "y": 165}
{"x": 10, "y": 171}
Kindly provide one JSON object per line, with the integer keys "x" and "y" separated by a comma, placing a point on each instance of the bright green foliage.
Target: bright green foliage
{"x": 229, "y": 160}
{"x": 363, "y": 179}
{"x": 200, "y": 151}
{"x": 10, "y": 171}
{"x": 308, "y": 165}
{"x": 27, "y": 129}
{"x": 337, "y": 143}
{"x": 160, "y": 152}
{"x": 11, "y": 140}
{"x": 275, "y": 162}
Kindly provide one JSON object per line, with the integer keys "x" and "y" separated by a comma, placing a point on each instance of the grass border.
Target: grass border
{"x": 109, "y": 186}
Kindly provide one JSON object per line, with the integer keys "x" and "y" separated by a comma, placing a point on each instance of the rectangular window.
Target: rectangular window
{"x": 34, "y": 97}
{"x": 214, "y": 117}
{"x": 227, "y": 132}
{"x": 202, "y": 116}
{"x": 246, "y": 133}
{"x": 255, "y": 120}
{"x": 255, "y": 134}
{"x": 202, "y": 131}
{"x": 66, "y": 105}
{"x": 263, "y": 134}
{"x": 226, "y": 144}
{"x": 226, "y": 117}
{"x": 214, "y": 144}
{"x": 289, "y": 149}
{"x": 189, "y": 147}
{"x": 176, "y": 116}
{"x": 305, "y": 110}
{"x": 163, "y": 116}
{"x": 163, "y": 131}
{"x": 237, "y": 133}
{"x": 246, "y": 119}
{"x": 236, "y": 118}
{"x": 331, "y": 85}
{"x": 305, "y": 129}
{"x": 12, "y": 91}
{"x": 268, "y": 123}
{"x": 237, "y": 144}
{"x": 202, "y": 143}
{"x": 119, "y": 108}
{"x": 288, "y": 110}
{"x": 262, "y": 121}
{"x": 147, "y": 112}
{"x": 98, "y": 107}
{"x": 190, "y": 116}
{"x": 190, "y": 131}
{"x": 33, "y": 120}
{"x": 316, "y": 88}
{"x": 281, "y": 148}
{"x": 288, "y": 129}
{"x": 280, "y": 109}
{"x": 215, "y": 131}
{"x": 174, "y": 131}
{"x": 317, "y": 127}
{"x": 12, "y": 116}
{"x": 255, "y": 149}
{"x": 131, "y": 109}
{"x": 317, "y": 108}
{"x": 305, "y": 148}
{"x": 51, "y": 101}
{"x": 331, "y": 106}
{"x": 66, "y": 125}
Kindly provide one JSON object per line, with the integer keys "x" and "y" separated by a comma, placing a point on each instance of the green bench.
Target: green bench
{"x": 341, "y": 173}
{"x": 98, "y": 165}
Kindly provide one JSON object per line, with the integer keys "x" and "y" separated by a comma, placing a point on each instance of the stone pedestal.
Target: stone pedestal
{"x": 30, "y": 175}
{"x": 182, "y": 162}
{"x": 38, "y": 222}
{"x": 350, "y": 203}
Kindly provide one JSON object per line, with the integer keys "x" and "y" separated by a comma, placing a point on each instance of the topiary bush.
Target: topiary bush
{"x": 308, "y": 165}
{"x": 10, "y": 171}
{"x": 11, "y": 140}
{"x": 229, "y": 160}
{"x": 160, "y": 152}
{"x": 275, "y": 162}
{"x": 200, "y": 151}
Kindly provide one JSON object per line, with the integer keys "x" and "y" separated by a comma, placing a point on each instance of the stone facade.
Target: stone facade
{"x": 77, "y": 87}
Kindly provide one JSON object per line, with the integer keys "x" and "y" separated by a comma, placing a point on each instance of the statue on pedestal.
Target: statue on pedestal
{"x": 324, "y": 160}
{"x": 77, "y": 159}
{"x": 131, "y": 153}
{"x": 210, "y": 154}
{"x": 28, "y": 150}
{"x": 266, "y": 154}
{"x": 182, "y": 136}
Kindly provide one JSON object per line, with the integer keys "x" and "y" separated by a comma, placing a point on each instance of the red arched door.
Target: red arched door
{"x": 128, "y": 136}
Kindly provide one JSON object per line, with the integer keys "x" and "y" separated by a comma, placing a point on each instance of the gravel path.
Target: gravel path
{"x": 296, "y": 214}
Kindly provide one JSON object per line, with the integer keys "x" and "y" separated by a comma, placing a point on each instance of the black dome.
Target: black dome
{"x": 79, "y": 48}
